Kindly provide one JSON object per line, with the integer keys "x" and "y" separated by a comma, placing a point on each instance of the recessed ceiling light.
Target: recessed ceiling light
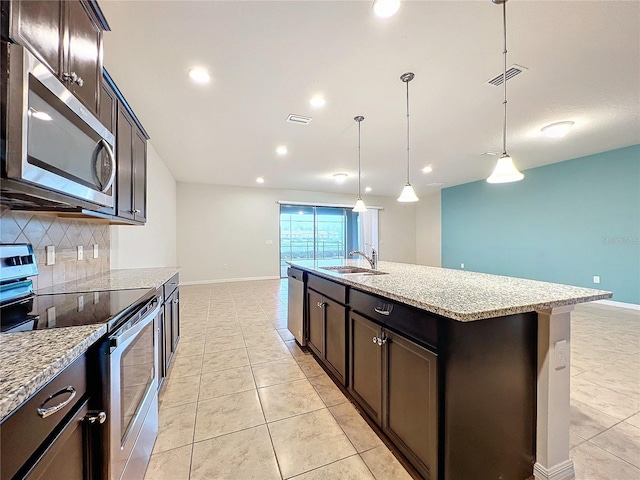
{"x": 199, "y": 75}
{"x": 340, "y": 177}
{"x": 368, "y": 189}
{"x": 259, "y": 180}
{"x": 386, "y": 8}
{"x": 557, "y": 130}
{"x": 427, "y": 169}
{"x": 282, "y": 150}
{"x": 317, "y": 101}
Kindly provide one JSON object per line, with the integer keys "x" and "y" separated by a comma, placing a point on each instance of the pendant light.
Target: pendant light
{"x": 408, "y": 194}
{"x": 360, "y": 206}
{"x": 505, "y": 171}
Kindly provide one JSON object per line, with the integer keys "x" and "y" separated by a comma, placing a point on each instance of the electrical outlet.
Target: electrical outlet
{"x": 81, "y": 303}
{"x": 80, "y": 252}
{"x": 51, "y": 255}
{"x": 51, "y": 316}
{"x": 95, "y": 250}
{"x": 596, "y": 279}
{"x": 560, "y": 354}
{"x": 462, "y": 266}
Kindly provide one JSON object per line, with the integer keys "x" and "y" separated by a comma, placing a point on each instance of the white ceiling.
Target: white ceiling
{"x": 268, "y": 58}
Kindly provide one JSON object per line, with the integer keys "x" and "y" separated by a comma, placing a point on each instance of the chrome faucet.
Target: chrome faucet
{"x": 373, "y": 259}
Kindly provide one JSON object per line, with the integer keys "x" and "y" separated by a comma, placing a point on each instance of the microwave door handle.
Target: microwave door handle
{"x": 112, "y": 160}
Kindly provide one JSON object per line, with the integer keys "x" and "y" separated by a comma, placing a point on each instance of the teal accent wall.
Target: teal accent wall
{"x": 563, "y": 223}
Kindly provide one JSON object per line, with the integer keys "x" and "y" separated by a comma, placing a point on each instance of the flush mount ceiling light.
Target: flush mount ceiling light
{"x": 340, "y": 177}
{"x": 386, "y": 8}
{"x": 317, "y": 101}
{"x": 199, "y": 75}
{"x": 282, "y": 150}
{"x": 408, "y": 194}
{"x": 360, "y": 206}
{"x": 427, "y": 169}
{"x": 505, "y": 171}
{"x": 368, "y": 189}
{"x": 558, "y": 129}
{"x": 259, "y": 180}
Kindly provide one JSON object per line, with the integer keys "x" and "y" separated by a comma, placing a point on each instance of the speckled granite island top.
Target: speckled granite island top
{"x": 457, "y": 294}
{"x": 124, "y": 279}
{"x": 49, "y": 352}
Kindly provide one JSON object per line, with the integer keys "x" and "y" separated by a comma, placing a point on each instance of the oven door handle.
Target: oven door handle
{"x": 125, "y": 333}
{"x": 112, "y": 162}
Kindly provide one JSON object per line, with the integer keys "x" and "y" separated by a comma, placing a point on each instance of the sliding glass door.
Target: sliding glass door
{"x": 317, "y": 233}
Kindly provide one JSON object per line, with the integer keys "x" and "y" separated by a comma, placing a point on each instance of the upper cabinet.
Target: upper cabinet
{"x": 66, "y": 36}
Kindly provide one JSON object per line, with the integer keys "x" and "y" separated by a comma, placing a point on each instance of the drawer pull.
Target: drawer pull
{"x": 383, "y": 312}
{"x": 46, "y": 412}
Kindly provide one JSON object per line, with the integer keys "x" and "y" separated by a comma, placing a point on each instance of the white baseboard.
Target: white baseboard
{"x": 630, "y": 306}
{"x": 226, "y": 280}
{"x": 562, "y": 471}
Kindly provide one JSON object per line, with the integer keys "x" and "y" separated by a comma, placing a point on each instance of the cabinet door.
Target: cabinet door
{"x": 410, "y": 385}
{"x": 124, "y": 139}
{"x": 366, "y": 365}
{"x": 68, "y": 456}
{"x": 139, "y": 176}
{"x": 175, "y": 320}
{"x": 83, "y": 50}
{"x": 167, "y": 350}
{"x": 316, "y": 321}
{"x": 37, "y": 25}
{"x": 108, "y": 107}
{"x": 335, "y": 353}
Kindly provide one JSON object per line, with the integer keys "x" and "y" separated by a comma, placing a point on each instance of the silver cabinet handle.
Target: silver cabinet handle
{"x": 46, "y": 412}
{"x": 93, "y": 417}
{"x": 382, "y": 312}
{"x": 135, "y": 211}
{"x": 375, "y": 339}
{"x": 321, "y": 304}
{"x": 380, "y": 341}
{"x": 73, "y": 77}
{"x": 176, "y": 301}
{"x": 112, "y": 161}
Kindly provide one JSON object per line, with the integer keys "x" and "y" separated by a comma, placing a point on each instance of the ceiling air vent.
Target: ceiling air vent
{"x": 301, "y": 119}
{"x": 512, "y": 71}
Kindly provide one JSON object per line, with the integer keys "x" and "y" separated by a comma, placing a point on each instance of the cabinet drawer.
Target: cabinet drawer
{"x": 328, "y": 288}
{"x": 25, "y": 430}
{"x": 415, "y": 324}
{"x": 171, "y": 285}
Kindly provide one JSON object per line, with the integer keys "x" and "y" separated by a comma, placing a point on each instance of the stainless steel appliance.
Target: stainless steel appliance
{"x": 126, "y": 367}
{"x": 295, "y": 316}
{"x": 54, "y": 152}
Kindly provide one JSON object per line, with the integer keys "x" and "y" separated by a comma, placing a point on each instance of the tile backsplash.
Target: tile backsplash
{"x": 41, "y": 230}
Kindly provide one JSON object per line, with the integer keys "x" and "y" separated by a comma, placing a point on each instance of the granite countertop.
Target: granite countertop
{"x": 461, "y": 295}
{"x": 49, "y": 352}
{"x": 124, "y": 279}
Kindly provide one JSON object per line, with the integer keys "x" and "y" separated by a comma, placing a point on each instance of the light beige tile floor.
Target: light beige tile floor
{"x": 242, "y": 401}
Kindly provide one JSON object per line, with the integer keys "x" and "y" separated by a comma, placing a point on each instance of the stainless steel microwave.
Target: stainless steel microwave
{"x": 53, "y": 145}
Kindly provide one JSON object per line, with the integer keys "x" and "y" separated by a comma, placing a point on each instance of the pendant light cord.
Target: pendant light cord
{"x": 359, "y": 170}
{"x": 504, "y": 78}
{"x": 408, "y": 157}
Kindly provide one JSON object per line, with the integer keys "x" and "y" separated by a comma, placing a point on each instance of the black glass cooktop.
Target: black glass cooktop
{"x": 39, "y": 312}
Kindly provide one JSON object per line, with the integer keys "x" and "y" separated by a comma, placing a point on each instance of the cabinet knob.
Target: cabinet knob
{"x": 375, "y": 339}
{"x": 73, "y": 78}
{"x": 321, "y": 304}
{"x": 93, "y": 417}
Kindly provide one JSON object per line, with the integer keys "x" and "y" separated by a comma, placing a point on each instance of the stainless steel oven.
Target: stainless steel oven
{"x": 53, "y": 144}
{"x": 133, "y": 397}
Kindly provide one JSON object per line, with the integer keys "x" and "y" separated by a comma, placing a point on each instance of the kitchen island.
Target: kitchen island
{"x": 466, "y": 373}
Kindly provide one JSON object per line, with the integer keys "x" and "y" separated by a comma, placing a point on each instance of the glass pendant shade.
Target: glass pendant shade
{"x": 408, "y": 194}
{"x": 360, "y": 206}
{"x": 505, "y": 171}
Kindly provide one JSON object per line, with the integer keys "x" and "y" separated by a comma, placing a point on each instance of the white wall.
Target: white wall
{"x": 228, "y": 226}
{"x": 429, "y": 230}
{"x": 154, "y": 244}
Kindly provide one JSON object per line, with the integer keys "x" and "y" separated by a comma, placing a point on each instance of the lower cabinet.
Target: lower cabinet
{"x": 169, "y": 327}
{"x": 328, "y": 333}
{"x": 395, "y": 381}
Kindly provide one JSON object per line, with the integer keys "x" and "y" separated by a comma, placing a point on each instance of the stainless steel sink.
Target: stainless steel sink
{"x": 351, "y": 270}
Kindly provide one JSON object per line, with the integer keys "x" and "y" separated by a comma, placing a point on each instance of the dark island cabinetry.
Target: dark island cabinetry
{"x": 169, "y": 327}
{"x": 454, "y": 397}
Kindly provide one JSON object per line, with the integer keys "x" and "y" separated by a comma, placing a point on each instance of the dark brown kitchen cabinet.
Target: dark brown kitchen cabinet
{"x": 395, "y": 381}
{"x": 131, "y": 158}
{"x": 108, "y": 107}
{"x": 67, "y": 37}
{"x": 169, "y": 326}
{"x": 328, "y": 333}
